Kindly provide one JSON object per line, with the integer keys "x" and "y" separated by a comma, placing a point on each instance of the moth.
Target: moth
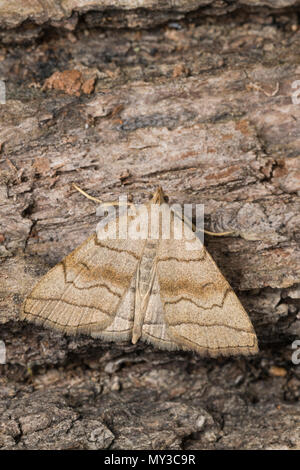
{"x": 152, "y": 290}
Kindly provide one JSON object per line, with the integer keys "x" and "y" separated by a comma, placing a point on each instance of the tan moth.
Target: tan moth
{"x": 153, "y": 290}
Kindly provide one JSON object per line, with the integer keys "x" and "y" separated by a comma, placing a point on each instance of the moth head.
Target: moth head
{"x": 159, "y": 197}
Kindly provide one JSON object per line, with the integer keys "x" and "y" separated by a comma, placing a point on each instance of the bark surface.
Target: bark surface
{"x": 207, "y": 107}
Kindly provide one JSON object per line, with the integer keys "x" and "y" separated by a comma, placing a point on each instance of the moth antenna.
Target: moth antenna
{"x": 218, "y": 234}
{"x": 113, "y": 203}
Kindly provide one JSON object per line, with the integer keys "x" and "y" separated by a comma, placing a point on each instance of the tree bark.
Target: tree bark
{"x": 205, "y": 107}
